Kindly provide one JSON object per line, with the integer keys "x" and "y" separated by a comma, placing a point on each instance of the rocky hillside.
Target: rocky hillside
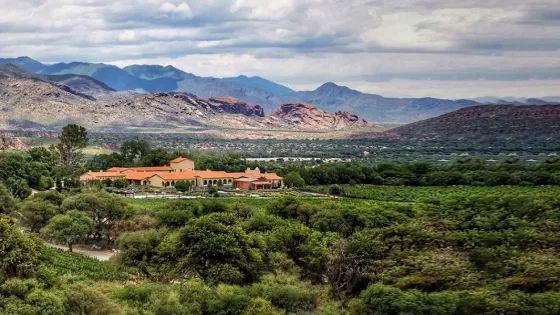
{"x": 504, "y": 122}
{"x": 28, "y": 101}
{"x": 310, "y": 117}
{"x": 12, "y": 143}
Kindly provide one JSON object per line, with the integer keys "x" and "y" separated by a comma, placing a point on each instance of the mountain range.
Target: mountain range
{"x": 270, "y": 95}
{"x": 37, "y": 101}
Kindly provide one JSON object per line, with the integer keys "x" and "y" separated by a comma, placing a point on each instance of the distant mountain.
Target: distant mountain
{"x": 376, "y": 108}
{"x": 10, "y": 70}
{"x": 260, "y": 83}
{"x": 31, "y": 101}
{"x": 24, "y": 63}
{"x": 81, "y": 83}
{"x": 503, "y": 122}
{"x": 154, "y": 72}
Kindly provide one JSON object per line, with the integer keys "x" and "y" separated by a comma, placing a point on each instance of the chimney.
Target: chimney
{"x": 89, "y": 171}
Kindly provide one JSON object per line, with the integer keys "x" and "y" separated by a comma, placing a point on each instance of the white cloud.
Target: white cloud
{"x": 181, "y": 10}
{"x": 406, "y": 46}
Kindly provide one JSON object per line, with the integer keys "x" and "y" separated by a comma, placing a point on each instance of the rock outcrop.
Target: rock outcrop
{"x": 308, "y": 116}
{"x": 10, "y": 143}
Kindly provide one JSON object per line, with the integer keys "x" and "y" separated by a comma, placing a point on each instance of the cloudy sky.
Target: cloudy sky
{"x": 441, "y": 48}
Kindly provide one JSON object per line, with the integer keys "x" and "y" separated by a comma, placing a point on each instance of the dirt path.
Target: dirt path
{"x": 102, "y": 255}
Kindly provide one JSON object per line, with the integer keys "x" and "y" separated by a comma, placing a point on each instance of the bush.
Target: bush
{"x": 336, "y": 190}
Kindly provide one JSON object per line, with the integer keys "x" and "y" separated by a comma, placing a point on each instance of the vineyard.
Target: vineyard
{"x": 63, "y": 263}
{"x": 418, "y": 194}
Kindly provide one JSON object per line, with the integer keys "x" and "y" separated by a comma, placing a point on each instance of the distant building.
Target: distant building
{"x": 183, "y": 169}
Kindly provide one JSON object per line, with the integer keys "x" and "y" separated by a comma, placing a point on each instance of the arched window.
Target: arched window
{"x": 205, "y": 182}
{"x": 173, "y": 183}
{"x": 215, "y": 182}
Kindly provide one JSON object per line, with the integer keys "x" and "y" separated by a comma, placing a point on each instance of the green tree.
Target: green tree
{"x": 7, "y": 203}
{"x": 18, "y": 187}
{"x": 35, "y": 214}
{"x": 20, "y": 255}
{"x": 134, "y": 150}
{"x": 293, "y": 179}
{"x": 105, "y": 209}
{"x": 72, "y": 140}
{"x": 140, "y": 249}
{"x": 183, "y": 185}
{"x": 70, "y": 228}
{"x": 120, "y": 183}
{"x": 218, "y": 250}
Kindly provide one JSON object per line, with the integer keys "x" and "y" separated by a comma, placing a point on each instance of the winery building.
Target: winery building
{"x": 183, "y": 169}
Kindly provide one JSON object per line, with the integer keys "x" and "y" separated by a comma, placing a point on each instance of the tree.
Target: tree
{"x": 293, "y": 179}
{"x": 183, "y": 185}
{"x": 18, "y": 187}
{"x": 105, "y": 209}
{"x": 218, "y": 250}
{"x": 139, "y": 249}
{"x": 70, "y": 228}
{"x": 7, "y": 203}
{"x": 73, "y": 139}
{"x": 19, "y": 254}
{"x": 134, "y": 150}
{"x": 35, "y": 214}
{"x": 120, "y": 183}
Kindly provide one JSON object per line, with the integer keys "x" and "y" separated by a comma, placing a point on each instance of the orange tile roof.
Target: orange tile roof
{"x": 138, "y": 175}
{"x": 152, "y": 169}
{"x": 179, "y": 160}
{"x": 117, "y": 169}
{"x": 189, "y": 175}
{"x": 272, "y": 176}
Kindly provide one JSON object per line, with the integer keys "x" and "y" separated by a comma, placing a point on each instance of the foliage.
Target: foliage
{"x": 217, "y": 249}
{"x": 19, "y": 254}
{"x": 293, "y": 179}
{"x": 7, "y": 203}
{"x": 72, "y": 140}
{"x": 105, "y": 209}
{"x": 183, "y": 186}
{"x": 70, "y": 228}
{"x": 36, "y": 213}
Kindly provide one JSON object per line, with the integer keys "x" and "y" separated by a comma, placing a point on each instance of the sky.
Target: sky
{"x": 403, "y": 48}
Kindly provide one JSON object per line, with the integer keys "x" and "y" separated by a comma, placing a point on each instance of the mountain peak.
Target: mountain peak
{"x": 331, "y": 88}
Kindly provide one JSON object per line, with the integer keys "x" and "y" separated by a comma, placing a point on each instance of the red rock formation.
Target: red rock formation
{"x": 234, "y": 106}
{"x": 9, "y": 143}
{"x": 309, "y": 117}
